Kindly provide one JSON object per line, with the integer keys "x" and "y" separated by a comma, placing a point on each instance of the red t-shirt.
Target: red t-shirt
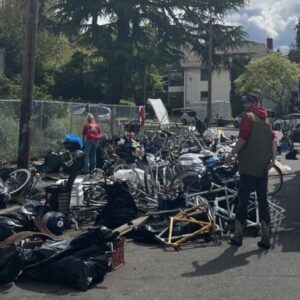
{"x": 246, "y": 125}
{"x": 91, "y": 131}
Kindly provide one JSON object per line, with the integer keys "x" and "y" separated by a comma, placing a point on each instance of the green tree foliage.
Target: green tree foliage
{"x": 78, "y": 78}
{"x": 139, "y": 41}
{"x": 10, "y": 89}
{"x": 11, "y": 34}
{"x": 137, "y": 32}
{"x": 297, "y": 29}
{"x": 199, "y": 17}
{"x": 53, "y": 51}
{"x": 272, "y": 77}
{"x": 237, "y": 67}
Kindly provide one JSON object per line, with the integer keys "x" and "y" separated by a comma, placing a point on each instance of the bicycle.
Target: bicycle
{"x": 18, "y": 182}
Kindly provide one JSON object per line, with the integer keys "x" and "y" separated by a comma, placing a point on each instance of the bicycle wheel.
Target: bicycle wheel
{"x": 17, "y": 181}
{"x": 275, "y": 180}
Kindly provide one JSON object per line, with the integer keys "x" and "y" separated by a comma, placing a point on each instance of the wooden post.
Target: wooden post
{"x": 27, "y": 83}
{"x": 145, "y": 84}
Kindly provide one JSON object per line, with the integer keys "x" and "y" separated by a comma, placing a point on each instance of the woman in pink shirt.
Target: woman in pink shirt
{"x": 91, "y": 136}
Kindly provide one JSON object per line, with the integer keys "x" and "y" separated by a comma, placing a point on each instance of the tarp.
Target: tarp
{"x": 160, "y": 111}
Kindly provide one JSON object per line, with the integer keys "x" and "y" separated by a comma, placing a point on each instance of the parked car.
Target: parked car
{"x": 101, "y": 113}
{"x": 271, "y": 118}
{"x": 290, "y": 120}
{"x": 188, "y": 116}
{"x": 237, "y": 120}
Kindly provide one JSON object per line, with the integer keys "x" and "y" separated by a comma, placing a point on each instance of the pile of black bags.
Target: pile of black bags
{"x": 78, "y": 263}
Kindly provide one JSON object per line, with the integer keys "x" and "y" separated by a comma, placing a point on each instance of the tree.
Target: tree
{"x": 130, "y": 28}
{"x": 294, "y": 53}
{"x": 78, "y": 78}
{"x": 272, "y": 77}
{"x": 12, "y": 34}
{"x": 237, "y": 67}
{"x": 297, "y": 29}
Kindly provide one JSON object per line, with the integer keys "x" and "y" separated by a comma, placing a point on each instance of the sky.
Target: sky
{"x": 269, "y": 18}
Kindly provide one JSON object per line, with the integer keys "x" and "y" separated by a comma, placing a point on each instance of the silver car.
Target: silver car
{"x": 289, "y": 120}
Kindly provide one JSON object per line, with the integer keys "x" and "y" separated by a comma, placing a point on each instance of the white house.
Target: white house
{"x": 195, "y": 83}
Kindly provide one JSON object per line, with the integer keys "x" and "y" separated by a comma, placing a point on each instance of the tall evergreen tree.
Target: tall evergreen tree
{"x": 132, "y": 26}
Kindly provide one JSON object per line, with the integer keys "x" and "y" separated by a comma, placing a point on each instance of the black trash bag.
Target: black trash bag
{"x": 52, "y": 251}
{"x": 52, "y": 162}
{"x": 20, "y": 218}
{"x": 33, "y": 208}
{"x": 74, "y": 270}
{"x": 99, "y": 236}
{"x": 4, "y": 173}
{"x": 77, "y": 263}
{"x": 10, "y": 264}
{"x": 146, "y": 233}
{"x": 120, "y": 208}
{"x": 292, "y": 154}
{"x": 9, "y": 226}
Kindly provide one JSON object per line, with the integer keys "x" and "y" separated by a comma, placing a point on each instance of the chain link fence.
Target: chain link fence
{"x": 51, "y": 121}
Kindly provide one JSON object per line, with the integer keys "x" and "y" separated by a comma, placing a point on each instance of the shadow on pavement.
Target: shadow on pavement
{"x": 48, "y": 288}
{"x": 44, "y": 287}
{"x": 227, "y": 260}
{"x": 289, "y": 199}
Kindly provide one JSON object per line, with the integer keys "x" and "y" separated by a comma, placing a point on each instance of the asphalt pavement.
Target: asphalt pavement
{"x": 198, "y": 270}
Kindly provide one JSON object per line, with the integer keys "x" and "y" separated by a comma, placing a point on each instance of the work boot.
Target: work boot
{"x": 237, "y": 238}
{"x": 265, "y": 236}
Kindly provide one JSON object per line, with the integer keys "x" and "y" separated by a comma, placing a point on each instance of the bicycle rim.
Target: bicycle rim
{"x": 18, "y": 180}
{"x": 275, "y": 180}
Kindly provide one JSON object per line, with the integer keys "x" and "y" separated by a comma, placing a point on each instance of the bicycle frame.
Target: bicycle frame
{"x": 188, "y": 215}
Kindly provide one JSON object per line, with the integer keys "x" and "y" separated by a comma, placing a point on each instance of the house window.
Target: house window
{"x": 204, "y": 96}
{"x": 204, "y": 75}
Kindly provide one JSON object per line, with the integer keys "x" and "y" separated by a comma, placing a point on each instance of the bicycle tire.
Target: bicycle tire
{"x": 17, "y": 181}
{"x": 275, "y": 180}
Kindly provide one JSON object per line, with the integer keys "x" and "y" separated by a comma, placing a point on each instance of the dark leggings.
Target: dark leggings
{"x": 249, "y": 184}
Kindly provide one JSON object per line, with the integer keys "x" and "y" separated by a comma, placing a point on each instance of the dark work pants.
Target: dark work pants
{"x": 247, "y": 185}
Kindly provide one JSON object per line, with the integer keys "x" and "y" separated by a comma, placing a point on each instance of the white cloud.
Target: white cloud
{"x": 269, "y": 18}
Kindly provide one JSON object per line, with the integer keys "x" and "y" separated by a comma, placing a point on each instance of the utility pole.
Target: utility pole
{"x": 145, "y": 84}
{"x": 31, "y": 16}
{"x": 210, "y": 70}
